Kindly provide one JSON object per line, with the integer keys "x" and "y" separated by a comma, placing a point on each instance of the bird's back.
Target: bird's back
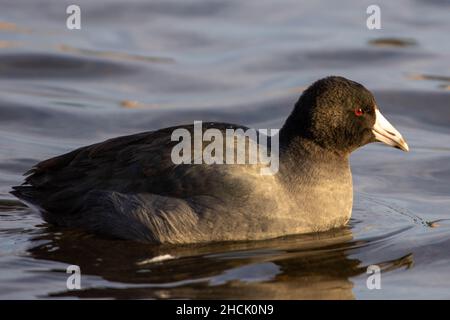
{"x": 129, "y": 187}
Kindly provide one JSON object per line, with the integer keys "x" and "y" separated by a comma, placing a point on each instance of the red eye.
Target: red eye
{"x": 359, "y": 112}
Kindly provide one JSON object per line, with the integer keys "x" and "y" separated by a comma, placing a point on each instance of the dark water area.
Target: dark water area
{"x": 137, "y": 66}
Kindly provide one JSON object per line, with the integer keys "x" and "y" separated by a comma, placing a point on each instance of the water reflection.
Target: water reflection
{"x": 148, "y": 65}
{"x": 314, "y": 266}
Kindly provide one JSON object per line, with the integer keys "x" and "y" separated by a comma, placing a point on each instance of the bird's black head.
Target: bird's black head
{"x": 341, "y": 115}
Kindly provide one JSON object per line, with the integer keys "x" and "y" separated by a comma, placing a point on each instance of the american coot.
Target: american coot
{"x": 129, "y": 187}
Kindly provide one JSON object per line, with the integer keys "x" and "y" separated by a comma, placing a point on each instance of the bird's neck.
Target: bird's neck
{"x": 301, "y": 159}
{"x": 318, "y": 181}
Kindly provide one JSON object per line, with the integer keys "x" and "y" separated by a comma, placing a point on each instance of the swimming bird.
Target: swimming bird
{"x": 129, "y": 187}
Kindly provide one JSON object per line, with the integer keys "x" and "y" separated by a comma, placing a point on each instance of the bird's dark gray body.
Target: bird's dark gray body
{"x": 129, "y": 187}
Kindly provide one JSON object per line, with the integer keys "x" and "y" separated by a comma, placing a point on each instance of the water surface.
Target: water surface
{"x": 137, "y": 66}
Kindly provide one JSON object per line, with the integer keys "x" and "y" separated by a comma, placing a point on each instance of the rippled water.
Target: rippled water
{"x": 139, "y": 65}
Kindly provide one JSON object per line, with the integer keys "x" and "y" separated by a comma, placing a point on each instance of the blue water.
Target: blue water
{"x": 137, "y": 66}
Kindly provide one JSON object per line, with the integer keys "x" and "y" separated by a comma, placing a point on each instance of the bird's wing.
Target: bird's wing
{"x": 130, "y": 165}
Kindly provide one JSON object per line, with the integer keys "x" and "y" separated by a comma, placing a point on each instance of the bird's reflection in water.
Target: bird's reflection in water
{"x": 313, "y": 266}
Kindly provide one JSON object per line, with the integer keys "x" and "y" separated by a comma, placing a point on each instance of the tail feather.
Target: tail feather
{"x": 26, "y": 193}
